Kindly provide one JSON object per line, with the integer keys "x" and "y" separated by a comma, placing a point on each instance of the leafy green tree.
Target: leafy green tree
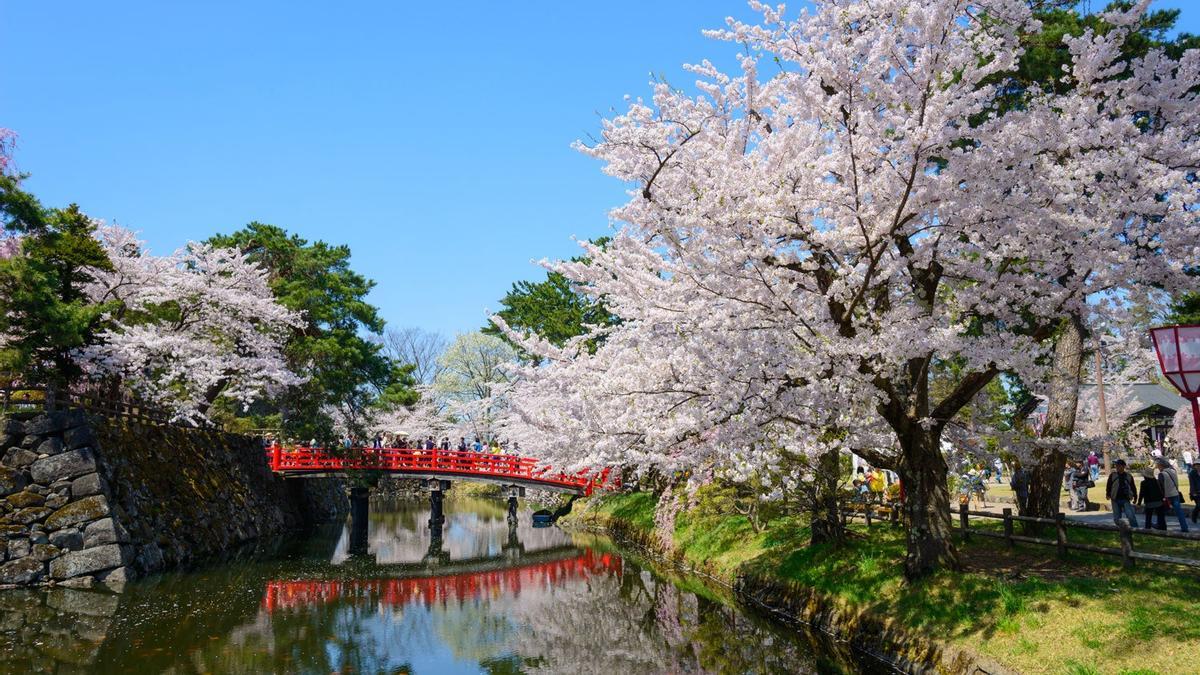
{"x": 347, "y": 371}
{"x": 45, "y": 315}
{"x": 1186, "y": 310}
{"x": 554, "y": 309}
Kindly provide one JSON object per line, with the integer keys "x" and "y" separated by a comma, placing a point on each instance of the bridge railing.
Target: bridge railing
{"x": 414, "y": 460}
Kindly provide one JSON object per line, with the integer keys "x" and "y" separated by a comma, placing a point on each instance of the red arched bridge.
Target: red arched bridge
{"x": 435, "y": 463}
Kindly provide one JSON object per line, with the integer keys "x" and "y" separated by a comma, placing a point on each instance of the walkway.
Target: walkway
{"x": 441, "y": 464}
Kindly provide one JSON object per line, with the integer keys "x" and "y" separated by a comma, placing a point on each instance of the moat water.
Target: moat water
{"x": 484, "y": 598}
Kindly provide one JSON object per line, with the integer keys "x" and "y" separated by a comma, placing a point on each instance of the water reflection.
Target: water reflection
{"x": 497, "y": 600}
{"x": 473, "y": 529}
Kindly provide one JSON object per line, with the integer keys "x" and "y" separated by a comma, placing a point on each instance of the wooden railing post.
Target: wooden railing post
{"x": 963, "y": 522}
{"x": 1126, "y": 542}
{"x": 1008, "y": 527}
{"x": 895, "y": 516}
{"x": 1061, "y": 526}
{"x": 867, "y": 509}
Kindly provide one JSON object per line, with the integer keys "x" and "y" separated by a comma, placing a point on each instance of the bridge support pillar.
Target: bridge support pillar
{"x": 514, "y": 491}
{"x": 437, "y": 490}
{"x": 360, "y": 509}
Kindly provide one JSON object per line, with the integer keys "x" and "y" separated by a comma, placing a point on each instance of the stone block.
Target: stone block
{"x": 30, "y": 442}
{"x": 30, "y": 515}
{"x": 70, "y": 539}
{"x": 50, "y": 446}
{"x": 57, "y": 501}
{"x": 54, "y": 422}
{"x": 107, "y": 531}
{"x": 79, "y": 437}
{"x": 65, "y": 465}
{"x": 25, "y": 499}
{"x": 44, "y": 552}
{"x": 11, "y": 481}
{"x": 78, "y": 583}
{"x": 18, "y": 548}
{"x": 86, "y": 485}
{"x": 79, "y": 512}
{"x": 89, "y": 561}
{"x": 116, "y": 578}
{"x": 23, "y": 571}
{"x": 38, "y": 537}
{"x": 19, "y": 458}
{"x": 150, "y": 558}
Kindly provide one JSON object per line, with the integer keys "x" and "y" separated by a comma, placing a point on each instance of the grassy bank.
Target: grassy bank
{"x": 1024, "y": 609}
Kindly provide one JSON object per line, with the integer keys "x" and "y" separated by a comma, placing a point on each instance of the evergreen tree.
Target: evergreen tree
{"x": 346, "y": 371}
{"x": 45, "y": 314}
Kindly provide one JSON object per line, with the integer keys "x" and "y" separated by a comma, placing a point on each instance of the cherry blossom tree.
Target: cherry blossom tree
{"x": 801, "y": 249}
{"x": 189, "y": 327}
{"x": 8, "y": 139}
{"x": 1182, "y": 438}
{"x": 473, "y": 379}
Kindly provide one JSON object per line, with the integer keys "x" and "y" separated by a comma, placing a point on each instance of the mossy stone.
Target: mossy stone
{"x": 76, "y": 513}
{"x": 26, "y": 499}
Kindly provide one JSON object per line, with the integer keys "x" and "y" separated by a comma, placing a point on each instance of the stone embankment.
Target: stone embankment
{"x": 87, "y": 499}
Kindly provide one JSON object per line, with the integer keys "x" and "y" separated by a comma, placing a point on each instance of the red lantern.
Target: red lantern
{"x": 1178, "y": 349}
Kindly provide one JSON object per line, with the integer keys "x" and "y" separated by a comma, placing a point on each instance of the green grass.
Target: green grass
{"x": 1023, "y": 608}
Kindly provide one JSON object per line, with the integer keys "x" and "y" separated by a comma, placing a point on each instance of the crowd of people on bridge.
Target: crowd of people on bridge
{"x": 494, "y": 445}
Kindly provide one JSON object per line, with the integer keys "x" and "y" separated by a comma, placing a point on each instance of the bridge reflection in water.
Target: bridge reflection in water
{"x": 439, "y": 590}
{"x": 549, "y": 603}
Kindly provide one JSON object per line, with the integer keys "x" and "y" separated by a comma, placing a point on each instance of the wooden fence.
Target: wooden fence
{"x": 1123, "y": 530}
{"x": 106, "y": 401}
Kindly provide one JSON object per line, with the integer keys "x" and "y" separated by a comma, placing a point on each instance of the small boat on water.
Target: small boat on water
{"x": 543, "y": 518}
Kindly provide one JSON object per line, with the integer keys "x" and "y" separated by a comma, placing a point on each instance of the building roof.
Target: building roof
{"x": 1148, "y": 395}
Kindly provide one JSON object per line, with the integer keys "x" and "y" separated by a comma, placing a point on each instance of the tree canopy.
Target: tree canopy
{"x": 556, "y": 309}
{"x": 345, "y": 370}
{"x": 45, "y": 313}
{"x": 804, "y": 247}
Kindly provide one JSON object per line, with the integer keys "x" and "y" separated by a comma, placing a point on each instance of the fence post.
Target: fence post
{"x": 867, "y": 509}
{"x": 1061, "y": 525}
{"x": 963, "y": 523}
{"x": 1126, "y": 542}
{"x": 895, "y": 515}
{"x": 1008, "y": 527}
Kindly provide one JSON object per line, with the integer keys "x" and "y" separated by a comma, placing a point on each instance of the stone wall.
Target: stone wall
{"x": 90, "y": 499}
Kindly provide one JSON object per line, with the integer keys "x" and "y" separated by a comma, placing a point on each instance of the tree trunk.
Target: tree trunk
{"x": 827, "y": 524}
{"x": 923, "y": 472}
{"x": 1046, "y": 475}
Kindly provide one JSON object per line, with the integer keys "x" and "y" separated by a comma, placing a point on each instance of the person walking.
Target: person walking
{"x": 1151, "y": 499}
{"x": 1093, "y": 463}
{"x": 1121, "y": 493}
{"x": 1019, "y": 482}
{"x": 999, "y": 470}
{"x": 1081, "y": 480}
{"x": 462, "y": 443}
{"x": 1168, "y": 480}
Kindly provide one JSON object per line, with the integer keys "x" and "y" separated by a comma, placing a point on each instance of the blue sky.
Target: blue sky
{"x": 432, "y": 138}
